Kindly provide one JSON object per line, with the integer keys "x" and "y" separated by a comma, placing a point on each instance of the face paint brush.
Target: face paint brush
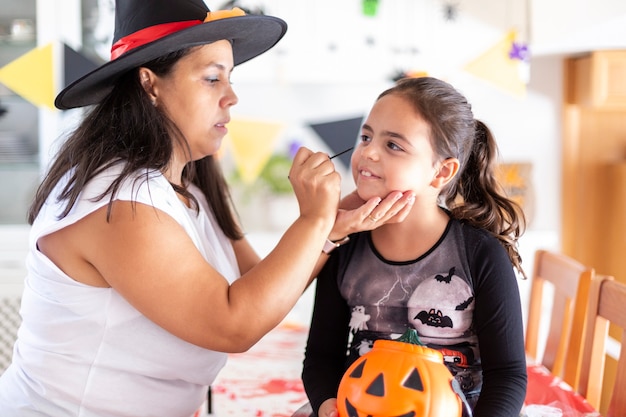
{"x": 336, "y": 155}
{"x": 342, "y": 152}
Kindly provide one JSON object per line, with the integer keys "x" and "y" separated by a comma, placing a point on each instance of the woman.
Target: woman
{"x": 139, "y": 277}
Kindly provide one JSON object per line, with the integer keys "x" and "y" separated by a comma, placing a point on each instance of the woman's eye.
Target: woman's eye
{"x": 216, "y": 80}
{"x": 365, "y": 138}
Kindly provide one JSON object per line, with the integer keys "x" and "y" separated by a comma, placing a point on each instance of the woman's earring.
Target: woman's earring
{"x": 154, "y": 102}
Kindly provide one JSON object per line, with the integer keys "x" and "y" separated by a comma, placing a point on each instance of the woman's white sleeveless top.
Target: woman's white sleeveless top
{"x": 84, "y": 351}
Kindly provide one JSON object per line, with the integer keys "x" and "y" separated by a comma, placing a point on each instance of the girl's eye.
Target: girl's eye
{"x": 393, "y": 146}
{"x": 365, "y": 138}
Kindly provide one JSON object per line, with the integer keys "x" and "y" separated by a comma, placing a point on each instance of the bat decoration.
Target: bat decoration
{"x": 445, "y": 278}
{"x": 434, "y": 318}
{"x": 400, "y": 74}
{"x": 235, "y": 3}
{"x": 450, "y": 11}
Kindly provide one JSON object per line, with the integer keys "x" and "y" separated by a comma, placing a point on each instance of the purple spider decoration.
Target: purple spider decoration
{"x": 294, "y": 145}
{"x": 519, "y": 51}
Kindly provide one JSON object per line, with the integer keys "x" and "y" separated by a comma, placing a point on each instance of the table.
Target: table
{"x": 546, "y": 396}
{"x": 265, "y": 382}
{"x": 544, "y": 389}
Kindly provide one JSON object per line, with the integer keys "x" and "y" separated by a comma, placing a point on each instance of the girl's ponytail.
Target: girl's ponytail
{"x": 478, "y": 198}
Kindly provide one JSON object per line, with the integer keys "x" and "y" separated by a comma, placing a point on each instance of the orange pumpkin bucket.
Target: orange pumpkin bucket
{"x": 399, "y": 378}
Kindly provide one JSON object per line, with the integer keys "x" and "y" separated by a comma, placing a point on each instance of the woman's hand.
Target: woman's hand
{"x": 328, "y": 408}
{"x": 316, "y": 184}
{"x": 355, "y": 215}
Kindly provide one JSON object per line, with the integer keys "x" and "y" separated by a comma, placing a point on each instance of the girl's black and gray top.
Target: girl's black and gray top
{"x": 461, "y": 296}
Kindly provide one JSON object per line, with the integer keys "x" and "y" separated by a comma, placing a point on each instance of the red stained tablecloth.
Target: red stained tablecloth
{"x": 265, "y": 382}
{"x": 546, "y": 389}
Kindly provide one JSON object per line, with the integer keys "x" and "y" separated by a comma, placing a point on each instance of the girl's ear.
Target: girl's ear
{"x": 448, "y": 169}
{"x": 147, "y": 79}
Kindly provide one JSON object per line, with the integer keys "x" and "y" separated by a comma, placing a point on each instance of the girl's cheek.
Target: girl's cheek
{"x": 355, "y": 156}
{"x": 353, "y": 165}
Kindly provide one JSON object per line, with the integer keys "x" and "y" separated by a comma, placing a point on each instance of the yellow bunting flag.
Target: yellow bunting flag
{"x": 31, "y": 76}
{"x": 252, "y": 144}
{"x": 499, "y": 69}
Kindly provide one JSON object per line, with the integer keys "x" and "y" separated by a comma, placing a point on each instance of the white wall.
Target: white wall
{"x": 573, "y": 26}
{"x": 324, "y": 70}
{"x": 334, "y": 60}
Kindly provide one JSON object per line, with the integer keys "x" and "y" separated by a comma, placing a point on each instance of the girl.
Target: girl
{"x": 446, "y": 270}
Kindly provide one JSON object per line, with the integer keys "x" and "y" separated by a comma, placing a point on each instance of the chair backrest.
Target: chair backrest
{"x": 570, "y": 280}
{"x": 607, "y": 304}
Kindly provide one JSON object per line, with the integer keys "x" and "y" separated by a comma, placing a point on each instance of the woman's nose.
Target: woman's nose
{"x": 230, "y": 98}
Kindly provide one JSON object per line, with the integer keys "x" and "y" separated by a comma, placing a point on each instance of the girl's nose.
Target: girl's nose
{"x": 369, "y": 151}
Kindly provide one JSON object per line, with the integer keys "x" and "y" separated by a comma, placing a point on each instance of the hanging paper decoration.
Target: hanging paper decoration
{"x": 370, "y": 7}
{"x": 252, "y": 144}
{"x": 75, "y": 65}
{"x": 31, "y": 76}
{"x": 339, "y": 135}
{"x": 497, "y": 67}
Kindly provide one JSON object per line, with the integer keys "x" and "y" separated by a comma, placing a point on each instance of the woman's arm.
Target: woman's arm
{"x": 247, "y": 258}
{"x": 147, "y": 257}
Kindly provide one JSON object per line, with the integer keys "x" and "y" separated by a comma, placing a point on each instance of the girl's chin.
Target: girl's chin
{"x": 366, "y": 195}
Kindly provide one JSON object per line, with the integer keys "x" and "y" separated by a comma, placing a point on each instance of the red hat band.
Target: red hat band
{"x": 152, "y": 33}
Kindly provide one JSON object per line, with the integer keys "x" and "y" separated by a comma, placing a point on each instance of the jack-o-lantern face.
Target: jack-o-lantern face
{"x": 397, "y": 379}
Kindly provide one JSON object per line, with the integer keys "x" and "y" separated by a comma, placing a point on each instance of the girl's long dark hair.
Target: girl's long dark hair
{"x": 125, "y": 126}
{"x": 474, "y": 195}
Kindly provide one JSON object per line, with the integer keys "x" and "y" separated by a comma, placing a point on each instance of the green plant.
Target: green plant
{"x": 275, "y": 174}
{"x": 273, "y": 178}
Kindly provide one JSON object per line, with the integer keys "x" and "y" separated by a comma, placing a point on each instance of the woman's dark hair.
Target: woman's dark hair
{"x": 474, "y": 195}
{"x": 125, "y": 126}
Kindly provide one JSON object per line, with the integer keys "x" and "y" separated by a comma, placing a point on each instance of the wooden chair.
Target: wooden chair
{"x": 607, "y": 304}
{"x": 570, "y": 280}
